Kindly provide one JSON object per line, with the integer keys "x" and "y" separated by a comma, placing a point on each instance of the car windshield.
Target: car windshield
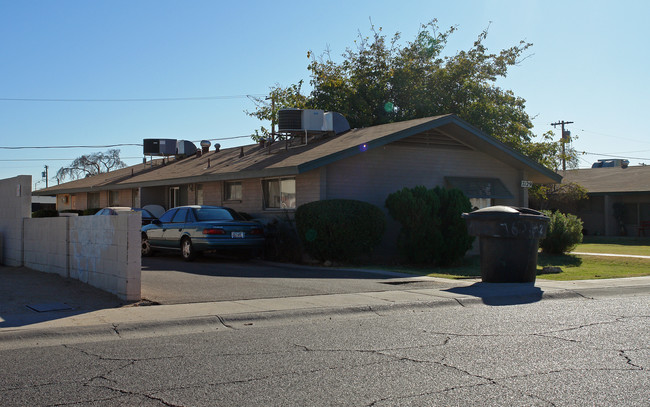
{"x": 145, "y": 213}
{"x": 207, "y": 214}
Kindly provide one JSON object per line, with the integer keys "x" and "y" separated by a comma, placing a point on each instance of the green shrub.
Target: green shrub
{"x": 282, "y": 242}
{"x": 339, "y": 229}
{"x": 433, "y": 230}
{"x": 564, "y": 233}
{"x": 45, "y": 213}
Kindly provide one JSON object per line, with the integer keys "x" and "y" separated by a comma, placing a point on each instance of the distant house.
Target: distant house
{"x": 626, "y": 187}
{"x": 365, "y": 164}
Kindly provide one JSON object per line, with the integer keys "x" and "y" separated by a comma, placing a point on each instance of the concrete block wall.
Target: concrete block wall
{"x": 46, "y": 245}
{"x": 15, "y": 205}
{"x": 104, "y": 251}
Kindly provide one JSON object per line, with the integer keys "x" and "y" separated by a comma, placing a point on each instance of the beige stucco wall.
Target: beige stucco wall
{"x": 375, "y": 174}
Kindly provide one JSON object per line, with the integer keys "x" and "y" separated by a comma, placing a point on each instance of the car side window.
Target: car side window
{"x": 167, "y": 216}
{"x": 191, "y": 218}
{"x": 180, "y": 216}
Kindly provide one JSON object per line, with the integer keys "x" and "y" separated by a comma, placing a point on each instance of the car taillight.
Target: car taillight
{"x": 214, "y": 231}
{"x": 256, "y": 231}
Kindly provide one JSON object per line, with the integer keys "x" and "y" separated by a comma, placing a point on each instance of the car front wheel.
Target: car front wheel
{"x": 146, "y": 246}
{"x": 187, "y": 250}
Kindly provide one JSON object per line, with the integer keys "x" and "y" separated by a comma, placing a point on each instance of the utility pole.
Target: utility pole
{"x": 46, "y": 174}
{"x": 565, "y": 139}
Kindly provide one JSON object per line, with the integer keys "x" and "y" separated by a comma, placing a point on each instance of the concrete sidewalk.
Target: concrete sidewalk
{"x": 34, "y": 303}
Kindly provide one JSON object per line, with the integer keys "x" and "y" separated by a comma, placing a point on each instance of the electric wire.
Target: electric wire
{"x": 106, "y": 145}
{"x": 119, "y": 100}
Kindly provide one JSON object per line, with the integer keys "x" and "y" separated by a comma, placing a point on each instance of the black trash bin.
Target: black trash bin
{"x": 508, "y": 242}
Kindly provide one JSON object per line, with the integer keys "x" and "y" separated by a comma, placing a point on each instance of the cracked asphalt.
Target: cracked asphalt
{"x": 564, "y": 352}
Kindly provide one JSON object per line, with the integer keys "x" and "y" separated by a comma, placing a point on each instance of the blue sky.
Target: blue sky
{"x": 589, "y": 64}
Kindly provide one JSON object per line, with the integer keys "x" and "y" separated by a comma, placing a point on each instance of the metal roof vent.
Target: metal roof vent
{"x": 205, "y": 146}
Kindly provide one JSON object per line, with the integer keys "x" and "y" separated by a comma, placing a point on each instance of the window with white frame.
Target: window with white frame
{"x": 480, "y": 203}
{"x": 232, "y": 191}
{"x": 279, "y": 193}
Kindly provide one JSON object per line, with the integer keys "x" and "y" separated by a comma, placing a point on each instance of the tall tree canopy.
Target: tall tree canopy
{"x": 91, "y": 164}
{"x": 382, "y": 80}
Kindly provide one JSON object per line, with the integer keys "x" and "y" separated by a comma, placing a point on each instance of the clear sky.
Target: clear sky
{"x": 589, "y": 64}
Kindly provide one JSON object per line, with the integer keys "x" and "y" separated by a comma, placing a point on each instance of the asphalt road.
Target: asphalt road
{"x": 167, "y": 279}
{"x": 547, "y": 353}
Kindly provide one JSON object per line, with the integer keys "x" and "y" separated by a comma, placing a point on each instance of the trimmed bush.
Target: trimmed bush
{"x": 564, "y": 233}
{"x": 45, "y": 213}
{"x": 433, "y": 230}
{"x": 339, "y": 229}
{"x": 90, "y": 211}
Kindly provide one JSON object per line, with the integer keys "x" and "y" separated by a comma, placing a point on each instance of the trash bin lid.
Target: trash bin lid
{"x": 502, "y": 211}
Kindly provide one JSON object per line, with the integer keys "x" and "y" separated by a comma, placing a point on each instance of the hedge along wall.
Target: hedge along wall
{"x": 102, "y": 251}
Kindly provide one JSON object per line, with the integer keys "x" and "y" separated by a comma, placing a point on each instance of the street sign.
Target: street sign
{"x": 526, "y": 184}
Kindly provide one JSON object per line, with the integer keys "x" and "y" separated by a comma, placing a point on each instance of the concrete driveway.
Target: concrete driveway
{"x": 167, "y": 279}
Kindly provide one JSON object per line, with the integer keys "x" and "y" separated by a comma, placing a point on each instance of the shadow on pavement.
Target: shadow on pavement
{"x": 224, "y": 266}
{"x": 499, "y": 294}
{"x": 28, "y": 297}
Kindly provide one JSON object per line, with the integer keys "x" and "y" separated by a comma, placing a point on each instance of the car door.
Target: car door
{"x": 156, "y": 230}
{"x": 172, "y": 231}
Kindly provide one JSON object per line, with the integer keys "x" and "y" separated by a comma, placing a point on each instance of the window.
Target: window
{"x": 167, "y": 216}
{"x": 180, "y": 216}
{"x": 232, "y": 191}
{"x": 93, "y": 200}
{"x": 113, "y": 198}
{"x": 279, "y": 193}
{"x": 480, "y": 203}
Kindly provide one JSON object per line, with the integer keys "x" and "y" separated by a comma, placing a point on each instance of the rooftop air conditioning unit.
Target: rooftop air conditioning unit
{"x": 336, "y": 122}
{"x": 159, "y": 146}
{"x": 185, "y": 148}
{"x": 301, "y": 120}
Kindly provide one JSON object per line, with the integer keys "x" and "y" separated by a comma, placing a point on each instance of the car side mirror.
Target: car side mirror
{"x": 156, "y": 222}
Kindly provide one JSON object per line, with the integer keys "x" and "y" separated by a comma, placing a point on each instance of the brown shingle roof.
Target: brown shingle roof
{"x": 611, "y": 180}
{"x": 258, "y": 162}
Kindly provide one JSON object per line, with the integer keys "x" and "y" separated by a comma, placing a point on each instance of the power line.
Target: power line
{"x": 616, "y": 137}
{"x": 107, "y": 145}
{"x": 177, "y": 99}
{"x": 54, "y": 147}
{"x": 613, "y": 156}
{"x": 52, "y": 159}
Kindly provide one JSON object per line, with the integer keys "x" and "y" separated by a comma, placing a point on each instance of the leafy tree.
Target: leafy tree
{"x": 266, "y": 109}
{"x": 382, "y": 80}
{"x": 91, "y": 164}
{"x": 558, "y": 197}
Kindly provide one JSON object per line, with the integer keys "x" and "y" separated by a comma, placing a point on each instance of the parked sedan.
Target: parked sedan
{"x": 197, "y": 228}
{"x": 147, "y": 217}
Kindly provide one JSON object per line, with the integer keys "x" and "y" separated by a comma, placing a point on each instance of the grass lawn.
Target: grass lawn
{"x": 574, "y": 267}
{"x": 615, "y": 245}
